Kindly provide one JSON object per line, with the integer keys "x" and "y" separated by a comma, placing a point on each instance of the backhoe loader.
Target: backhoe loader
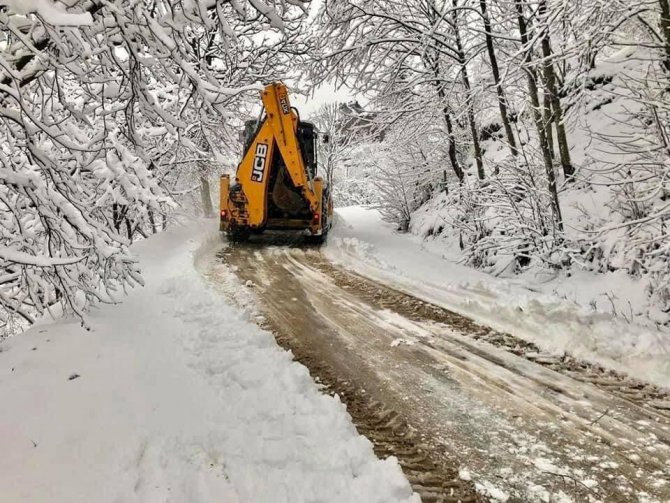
{"x": 276, "y": 185}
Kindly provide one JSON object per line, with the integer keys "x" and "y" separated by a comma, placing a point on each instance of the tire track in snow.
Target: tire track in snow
{"x": 574, "y": 429}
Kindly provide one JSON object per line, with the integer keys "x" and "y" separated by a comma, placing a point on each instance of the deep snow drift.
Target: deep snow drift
{"x": 558, "y": 317}
{"x": 174, "y": 396}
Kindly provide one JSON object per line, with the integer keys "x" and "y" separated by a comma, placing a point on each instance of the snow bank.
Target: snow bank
{"x": 174, "y": 396}
{"x": 559, "y": 323}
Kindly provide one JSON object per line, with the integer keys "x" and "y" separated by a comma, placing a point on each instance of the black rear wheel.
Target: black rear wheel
{"x": 325, "y": 224}
{"x": 238, "y": 234}
{"x": 317, "y": 239}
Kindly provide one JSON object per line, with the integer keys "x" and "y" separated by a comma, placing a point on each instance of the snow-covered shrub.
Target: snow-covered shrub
{"x": 504, "y": 222}
{"x": 634, "y": 165}
{"x": 405, "y": 168}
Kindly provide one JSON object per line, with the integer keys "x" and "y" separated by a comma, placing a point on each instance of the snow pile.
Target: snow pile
{"x": 174, "y": 396}
{"x": 557, "y": 323}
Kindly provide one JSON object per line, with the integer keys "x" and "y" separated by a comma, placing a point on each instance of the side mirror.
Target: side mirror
{"x": 326, "y": 139}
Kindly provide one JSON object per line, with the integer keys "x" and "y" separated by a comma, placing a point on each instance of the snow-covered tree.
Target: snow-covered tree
{"x": 102, "y": 102}
{"x": 537, "y": 104}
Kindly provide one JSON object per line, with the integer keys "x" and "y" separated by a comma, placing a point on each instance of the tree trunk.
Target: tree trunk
{"x": 434, "y": 66}
{"x": 547, "y": 116}
{"x": 129, "y": 229}
{"x": 537, "y": 116}
{"x": 206, "y": 196}
{"x": 468, "y": 91}
{"x": 502, "y": 100}
{"x": 665, "y": 27}
{"x": 453, "y": 158}
{"x": 552, "y": 90}
{"x": 152, "y": 222}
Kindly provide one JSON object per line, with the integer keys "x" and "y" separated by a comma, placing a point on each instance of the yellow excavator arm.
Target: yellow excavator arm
{"x": 274, "y": 188}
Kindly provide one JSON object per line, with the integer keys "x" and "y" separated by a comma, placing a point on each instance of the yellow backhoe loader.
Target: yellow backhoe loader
{"x": 276, "y": 185}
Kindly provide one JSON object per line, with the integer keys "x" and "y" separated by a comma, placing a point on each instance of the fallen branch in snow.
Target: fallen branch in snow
{"x": 599, "y": 417}
{"x": 576, "y": 481}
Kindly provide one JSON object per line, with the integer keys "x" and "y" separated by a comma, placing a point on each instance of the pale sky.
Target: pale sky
{"x": 321, "y": 95}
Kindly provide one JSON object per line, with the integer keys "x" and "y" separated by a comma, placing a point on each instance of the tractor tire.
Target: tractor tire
{"x": 238, "y": 234}
{"x": 325, "y": 223}
{"x": 317, "y": 239}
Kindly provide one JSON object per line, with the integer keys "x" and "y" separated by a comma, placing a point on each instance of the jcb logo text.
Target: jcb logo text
{"x": 258, "y": 171}
{"x": 283, "y": 102}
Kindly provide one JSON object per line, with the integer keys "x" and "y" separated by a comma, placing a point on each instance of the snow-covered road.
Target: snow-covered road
{"x": 559, "y": 316}
{"x": 174, "y": 396}
{"x": 521, "y": 422}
